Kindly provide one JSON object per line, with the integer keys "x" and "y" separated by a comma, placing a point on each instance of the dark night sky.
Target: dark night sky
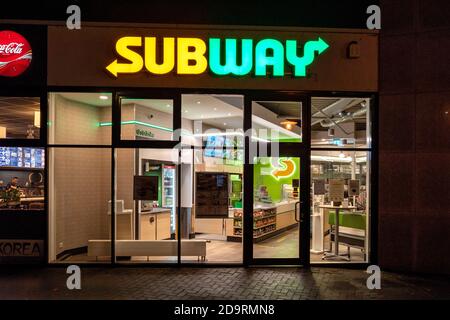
{"x": 319, "y": 13}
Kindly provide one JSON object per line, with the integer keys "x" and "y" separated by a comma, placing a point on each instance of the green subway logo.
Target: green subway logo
{"x": 223, "y": 57}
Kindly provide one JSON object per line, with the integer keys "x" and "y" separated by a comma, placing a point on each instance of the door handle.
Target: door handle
{"x": 296, "y": 211}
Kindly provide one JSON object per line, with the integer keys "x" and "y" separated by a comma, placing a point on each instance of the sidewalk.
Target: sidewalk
{"x": 217, "y": 283}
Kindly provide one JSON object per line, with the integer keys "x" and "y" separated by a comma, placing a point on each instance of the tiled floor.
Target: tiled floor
{"x": 285, "y": 245}
{"x": 216, "y": 283}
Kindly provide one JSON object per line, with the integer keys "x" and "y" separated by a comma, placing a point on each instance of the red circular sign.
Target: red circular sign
{"x": 15, "y": 54}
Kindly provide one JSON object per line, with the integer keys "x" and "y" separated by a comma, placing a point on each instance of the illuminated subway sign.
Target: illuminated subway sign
{"x": 238, "y": 57}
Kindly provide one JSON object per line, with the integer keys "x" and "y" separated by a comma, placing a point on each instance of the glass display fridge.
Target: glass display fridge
{"x": 168, "y": 192}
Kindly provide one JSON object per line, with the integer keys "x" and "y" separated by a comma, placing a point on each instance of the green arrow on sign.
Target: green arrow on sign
{"x": 310, "y": 48}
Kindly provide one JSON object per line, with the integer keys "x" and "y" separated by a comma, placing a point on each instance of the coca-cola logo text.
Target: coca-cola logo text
{"x": 12, "y": 48}
{"x": 15, "y": 54}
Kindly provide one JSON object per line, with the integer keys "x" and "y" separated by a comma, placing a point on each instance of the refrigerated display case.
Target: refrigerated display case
{"x": 168, "y": 192}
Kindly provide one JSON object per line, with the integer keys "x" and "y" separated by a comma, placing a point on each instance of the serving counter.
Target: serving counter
{"x": 155, "y": 224}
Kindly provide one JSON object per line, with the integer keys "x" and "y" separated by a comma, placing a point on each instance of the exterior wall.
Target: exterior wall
{"x": 414, "y": 175}
{"x": 330, "y": 71}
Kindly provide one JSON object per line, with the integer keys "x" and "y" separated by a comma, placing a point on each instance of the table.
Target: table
{"x": 335, "y": 255}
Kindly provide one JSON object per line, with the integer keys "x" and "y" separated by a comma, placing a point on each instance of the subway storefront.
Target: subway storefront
{"x": 187, "y": 145}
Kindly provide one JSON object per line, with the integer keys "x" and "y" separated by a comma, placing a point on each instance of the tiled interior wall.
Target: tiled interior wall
{"x": 82, "y": 189}
{"x": 78, "y": 123}
{"x": 81, "y": 175}
{"x": 414, "y": 133}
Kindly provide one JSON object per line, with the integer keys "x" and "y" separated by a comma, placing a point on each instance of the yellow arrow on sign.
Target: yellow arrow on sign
{"x": 286, "y": 170}
{"x": 137, "y": 63}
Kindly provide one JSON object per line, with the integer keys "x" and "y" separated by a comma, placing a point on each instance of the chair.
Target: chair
{"x": 353, "y": 233}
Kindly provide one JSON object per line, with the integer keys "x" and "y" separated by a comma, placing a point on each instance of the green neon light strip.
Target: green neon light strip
{"x": 106, "y": 124}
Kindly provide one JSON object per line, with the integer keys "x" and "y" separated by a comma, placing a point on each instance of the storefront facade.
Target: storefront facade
{"x": 217, "y": 145}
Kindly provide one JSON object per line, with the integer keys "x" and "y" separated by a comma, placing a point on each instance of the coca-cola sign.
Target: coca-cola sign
{"x": 15, "y": 54}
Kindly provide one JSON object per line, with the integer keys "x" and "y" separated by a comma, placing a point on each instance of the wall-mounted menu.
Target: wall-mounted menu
{"x": 18, "y": 157}
{"x": 211, "y": 197}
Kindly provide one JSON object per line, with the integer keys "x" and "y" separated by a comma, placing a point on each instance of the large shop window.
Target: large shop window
{"x": 348, "y": 171}
{"x": 79, "y": 118}
{"x": 277, "y": 121}
{"x": 146, "y": 119}
{"x": 20, "y": 117}
{"x": 79, "y": 204}
{"x": 340, "y": 179}
{"x": 340, "y": 122}
{"x": 212, "y": 178}
{"x": 276, "y": 231}
{"x": 146, "y": 205}
{"x": 22, "y": 178}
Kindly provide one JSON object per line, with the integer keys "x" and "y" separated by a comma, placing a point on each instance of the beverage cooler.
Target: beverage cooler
{"x": 168, "y": 192}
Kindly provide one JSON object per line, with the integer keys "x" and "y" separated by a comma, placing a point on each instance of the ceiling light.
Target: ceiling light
{"x": 185, "y": 111}
{"x": 102, "y": 97}
{"x": 288, "y": 124}
{"x": 37, "y": 119}
{"x": 2, "y": 132}
{"x": 224, "y": 123}
{"x": 168, "y": 105}
{"x": 229, "y": 114}
{"x": 198, "y": 102}
{"x": 215, "y": 109}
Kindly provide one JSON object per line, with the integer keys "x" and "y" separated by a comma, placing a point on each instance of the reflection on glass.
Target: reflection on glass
{"x": 276, "y": 207}
{"x": 340, "y": 122}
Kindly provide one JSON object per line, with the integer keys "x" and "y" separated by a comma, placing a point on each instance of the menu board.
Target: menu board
{"x": 336, "y": 190}
{"x": 145, "y": 188}
{"x": 214, "y": 146}
{"x": 18, "y": 157}
{"x": 319, "y": 186}
{"x": 353, "y": 188}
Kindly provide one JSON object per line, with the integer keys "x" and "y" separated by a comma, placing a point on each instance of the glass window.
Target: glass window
{"x": 20, "y": 118}
{"x": 146, "y": 119}
{"x": 79, "y": 205}
{"x": 80, "y": 118}
{"x": 146, "y": 198}
{"x": 277, "y": 121}
{"x": 340, "y": 184}
{"x": 211, "y": 211}
{"x": 340, "y": 122}
{"x": 276, "y": 207}
{"x": 22, "y": 178}
{"x": 214, "y": 123}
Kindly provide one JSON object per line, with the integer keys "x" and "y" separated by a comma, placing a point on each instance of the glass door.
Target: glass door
{"x": 278, "y": 191}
